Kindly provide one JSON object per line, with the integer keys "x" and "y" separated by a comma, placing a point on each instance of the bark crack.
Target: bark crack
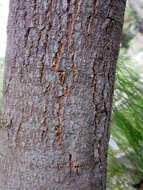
{"x": 75, "y": 71}
{"x": 59, "y": 127}
{"x": 19, "y": 128}
{"x": 70, "y": 23}
{"x": 57, "y": 57}
{"x": 71, "y": 165}
{"x": 42, "y": 65}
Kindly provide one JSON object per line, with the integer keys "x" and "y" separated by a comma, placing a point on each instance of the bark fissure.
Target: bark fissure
{"x": 19, "y": 128}
{"x": 71, "y": 165}
{"x": 42, "y": 67}
{"x": 75, "y": 71}
{"x": 57, "y": 56}
{"x": 60, "y": 125}
{"x": 70, "y": 22}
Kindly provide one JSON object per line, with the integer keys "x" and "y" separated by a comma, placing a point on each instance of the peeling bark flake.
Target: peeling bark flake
{"x": 57, "y": 57}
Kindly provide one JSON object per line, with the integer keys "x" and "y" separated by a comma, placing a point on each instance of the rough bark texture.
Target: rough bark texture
{"x": 57, "y": 95}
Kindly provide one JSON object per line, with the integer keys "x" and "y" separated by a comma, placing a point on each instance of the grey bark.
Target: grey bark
{"x": 57, "y": 94}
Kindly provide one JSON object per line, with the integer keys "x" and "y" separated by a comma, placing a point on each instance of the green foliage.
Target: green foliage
{"x": 125, "y": 161}
{"x": 126, "y": 127}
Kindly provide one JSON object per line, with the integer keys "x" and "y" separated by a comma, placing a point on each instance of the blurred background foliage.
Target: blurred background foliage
{"x": 125, "y": 155}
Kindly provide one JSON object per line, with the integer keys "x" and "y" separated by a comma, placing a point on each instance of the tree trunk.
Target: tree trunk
{"x": 57, "y": 94}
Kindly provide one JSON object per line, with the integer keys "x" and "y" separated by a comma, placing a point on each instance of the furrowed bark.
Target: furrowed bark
{"x": 57, "y": 94}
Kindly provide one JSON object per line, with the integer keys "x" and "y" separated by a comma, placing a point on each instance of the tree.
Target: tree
{"x": 57, "y": 93}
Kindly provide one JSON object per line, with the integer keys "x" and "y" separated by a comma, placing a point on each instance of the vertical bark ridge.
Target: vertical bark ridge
{"x": 19, "y": 128}
{"x": 70, "y": 22}
{"x": 57, "y": 56}
{"x": 75, "y": 71}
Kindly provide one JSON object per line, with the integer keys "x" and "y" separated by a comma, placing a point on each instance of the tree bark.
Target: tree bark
{"x": 57, "y": 93}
